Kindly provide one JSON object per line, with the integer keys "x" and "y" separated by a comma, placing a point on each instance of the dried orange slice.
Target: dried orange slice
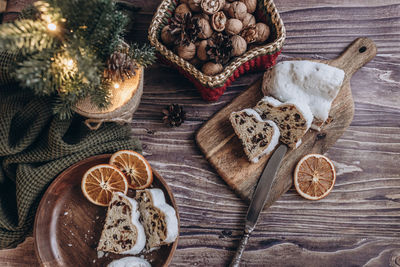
{"x": 314, "y": 176}
{"x": 101, "y": 181}
{"x": 135, "y": 167}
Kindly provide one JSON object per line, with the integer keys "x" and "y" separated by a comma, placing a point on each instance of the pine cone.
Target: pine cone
{"x": 186, "y": 29}
{"x": 174, "y": 115}
{"x": 219, "y": 48}
{"x": 119, "y": 67}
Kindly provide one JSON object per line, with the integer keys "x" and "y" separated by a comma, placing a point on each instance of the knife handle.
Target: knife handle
{"x": 239, "y": 252}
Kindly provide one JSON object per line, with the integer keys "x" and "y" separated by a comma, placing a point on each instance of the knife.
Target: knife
{"x": 257, "y": 203}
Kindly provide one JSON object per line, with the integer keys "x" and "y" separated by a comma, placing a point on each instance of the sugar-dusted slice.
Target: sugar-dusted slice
{"x": 313, "y": 83}
{"x": 259, "y": 137}
{"x": 122, "y": 232}
{"x": 158, "y": 218}
{"x": 293, "y": 119}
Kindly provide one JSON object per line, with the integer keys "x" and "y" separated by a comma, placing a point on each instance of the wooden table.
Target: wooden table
{"x": 357, "y": 224}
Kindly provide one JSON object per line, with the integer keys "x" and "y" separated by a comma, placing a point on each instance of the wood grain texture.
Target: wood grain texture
{"x": 225, "y": 152}
{"x": 357, "y": 224}
{"x": 67, "y": 226}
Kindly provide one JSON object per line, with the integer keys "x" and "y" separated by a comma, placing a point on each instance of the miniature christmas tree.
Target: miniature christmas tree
{"x": 67, "y": 50}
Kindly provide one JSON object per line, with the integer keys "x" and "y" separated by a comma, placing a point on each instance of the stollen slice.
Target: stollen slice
{"x": 292, "y": 119}
{"x": 158, "y": 218}
{"x": 316, "y": 84}
{"x": 259, "y": 137}
{"x": 122, "y": 232}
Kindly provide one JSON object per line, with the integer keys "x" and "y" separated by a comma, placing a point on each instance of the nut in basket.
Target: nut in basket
{"x": 213, "y": 42}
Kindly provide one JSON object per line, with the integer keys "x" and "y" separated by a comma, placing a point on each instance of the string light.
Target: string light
{"x": 70, "y": 63}
{"x": 116, "y": 85}
{"x": 52, "y": 26}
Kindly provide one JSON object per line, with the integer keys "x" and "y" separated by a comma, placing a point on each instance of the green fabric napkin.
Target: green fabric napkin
{"x": 34, "y": 148}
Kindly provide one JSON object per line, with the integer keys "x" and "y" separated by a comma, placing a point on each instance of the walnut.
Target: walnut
{"x": 223, "y": 2}
{"x": 251, "y": 5}
{"x": 187, "y": 52}
{"x": 205, "y": 27}
{"x": 237, "y": 10}
{"x": 211, "y": 68}
{"x": 195, "y": 5}
{"x": 262, "y": 32}
{"x": 226, "y": 7}
{"x": 166, "y": 36}
{"x": 239, "y": 45}
{"x": 201, "y": 50}
{"x": 250, "y": 34}
{"x": 181, "y": 10}
{"x": 210, "y": 7}
{"x": 233, "y": 26}
{"x": 248, "y": 20}
{"x": 218, "y": 21}
{"x": 197, "y": 43}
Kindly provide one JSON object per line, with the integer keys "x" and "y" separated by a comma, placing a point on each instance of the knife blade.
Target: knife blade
{"x": 260, "y": 196}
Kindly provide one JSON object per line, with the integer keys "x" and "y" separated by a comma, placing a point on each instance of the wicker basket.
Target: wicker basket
{"x": 124, "y": 102}
{"x": 258, "y": 58}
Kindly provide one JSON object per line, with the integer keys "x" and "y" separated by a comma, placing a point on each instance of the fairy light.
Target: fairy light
{"x": 116, "y": 85}
{"x": 70, "y": 63}
{"x": 52, "y": 26}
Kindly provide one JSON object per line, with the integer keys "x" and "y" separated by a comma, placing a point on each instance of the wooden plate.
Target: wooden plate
{"x": 67, "y": 226}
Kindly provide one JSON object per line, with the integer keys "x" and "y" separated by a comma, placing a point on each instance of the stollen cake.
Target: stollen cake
{"x": 292, "y": 119}
{"x": 129, "y": 262}
{"x": 122, "y": 232}
{"x": 315, "y": 84}
{"x": 158, "y": 218}
{"x": 259, "y": 137}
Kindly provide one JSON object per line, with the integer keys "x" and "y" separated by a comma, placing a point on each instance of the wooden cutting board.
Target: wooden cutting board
{"x": 224, "y": 151}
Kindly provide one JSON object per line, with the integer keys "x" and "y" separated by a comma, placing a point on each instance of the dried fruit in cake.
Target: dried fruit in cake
{"x": 158, "y": 218}
{"x": 122, "y": 232}
{"x": 135, "y": 167}
{"x": 313, "y": 83}
{"x": 314, "y": 176}
{"x": 129, "y": 262}
{"x": 292, "y": 119}
{"x": 259, "y": 137}
{"x": 101, "y": 181}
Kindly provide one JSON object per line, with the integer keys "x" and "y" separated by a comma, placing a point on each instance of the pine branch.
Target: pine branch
{"x": 144, "y": 56}
{"x": 68, "y": 63}
{"x": 97, "y": 22}
{"x": 25, "y": 36}
{"x": 62, "y": 107}
{"x": 100, "y": 96}
{"x": 106, "y": 34}
{"x": 35, "y": 72}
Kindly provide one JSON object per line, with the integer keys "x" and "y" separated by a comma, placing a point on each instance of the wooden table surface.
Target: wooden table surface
{"x": 358, "y": 224}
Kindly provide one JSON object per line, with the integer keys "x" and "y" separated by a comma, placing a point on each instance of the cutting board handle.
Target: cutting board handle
{"x": 357, "y": 54}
